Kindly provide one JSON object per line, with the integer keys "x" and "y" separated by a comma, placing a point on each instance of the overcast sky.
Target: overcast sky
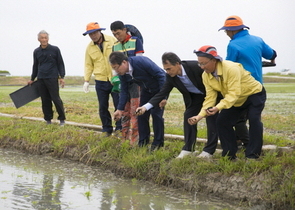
{"x": 179, "y": 26}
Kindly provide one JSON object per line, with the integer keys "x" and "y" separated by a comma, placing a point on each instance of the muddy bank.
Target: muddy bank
{"x": 246, "y": 191}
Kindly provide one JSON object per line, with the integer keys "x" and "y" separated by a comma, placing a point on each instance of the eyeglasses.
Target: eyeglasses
{"x": 204, "y": 64}
{"x": 116, "y": 66}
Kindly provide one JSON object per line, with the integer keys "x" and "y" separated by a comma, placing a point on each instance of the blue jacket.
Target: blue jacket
{"x": 249, "y": 51}
{"x": 148, "y": 75}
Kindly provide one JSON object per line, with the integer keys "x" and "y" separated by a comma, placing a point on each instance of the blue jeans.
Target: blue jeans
{"x": 103, "y": 91}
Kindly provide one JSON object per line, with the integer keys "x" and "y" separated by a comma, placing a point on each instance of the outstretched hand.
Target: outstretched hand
{"x": 194, "y": 120}
{"x": 212, "y": 111}
{"x": 140, "y": 110}
{"x": 117, "y": 115}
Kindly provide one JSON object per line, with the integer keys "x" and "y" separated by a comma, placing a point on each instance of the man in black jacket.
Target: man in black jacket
{"x": 186, "y": 76}
{"x": 49, "y": 68}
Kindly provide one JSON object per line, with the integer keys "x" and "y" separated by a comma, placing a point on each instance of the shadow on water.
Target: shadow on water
{"x": 41, "y": 182}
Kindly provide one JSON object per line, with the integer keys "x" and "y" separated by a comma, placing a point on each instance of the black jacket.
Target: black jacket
{"x": 194, "y": 73}
{"x": 48, "y": 63}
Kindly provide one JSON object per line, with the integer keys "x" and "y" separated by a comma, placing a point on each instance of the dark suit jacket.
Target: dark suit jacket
{"x": 148, "y": 75}
{"x": 194, "y": 73}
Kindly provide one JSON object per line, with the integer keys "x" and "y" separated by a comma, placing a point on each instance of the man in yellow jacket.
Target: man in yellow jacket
{"x": 97, "y": 63}
{"x": 240, "y": 92}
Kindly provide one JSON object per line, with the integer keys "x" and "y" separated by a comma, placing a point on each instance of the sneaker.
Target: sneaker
{"x": 48, "y": 122}
{"x": 62, "y": 123}
{"x": 205, "y": 155}
{"x": 184, "y": 153}
{"x": 118, "y": 134}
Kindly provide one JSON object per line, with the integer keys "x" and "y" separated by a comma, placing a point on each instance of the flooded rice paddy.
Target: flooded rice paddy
{"x": 42, "y": 182}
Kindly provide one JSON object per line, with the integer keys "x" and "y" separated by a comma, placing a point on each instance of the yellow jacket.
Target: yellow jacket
{"x": 96, "y": 62}
{"x": 234, "y": 82}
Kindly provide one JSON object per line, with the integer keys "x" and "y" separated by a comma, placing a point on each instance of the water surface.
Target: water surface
{"x": 42, "y": 182}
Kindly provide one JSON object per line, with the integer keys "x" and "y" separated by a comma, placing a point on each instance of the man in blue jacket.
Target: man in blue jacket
{"x": 248, "y": 50}
{"x": 150, "y": 78}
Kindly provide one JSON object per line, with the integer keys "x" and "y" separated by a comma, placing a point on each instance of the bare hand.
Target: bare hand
{"x": 140, "y": 110}
{"x": 163, "y": 103}
{"x": 194, "y": 120}
{"x": 62, "y": 83}
{"x": 30, "y": 82}
{"x": 117, "y": 115}
{"x": 212, "y": 111}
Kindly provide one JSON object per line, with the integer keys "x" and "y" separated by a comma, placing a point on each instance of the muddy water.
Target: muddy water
{"x": 39, "y": 182}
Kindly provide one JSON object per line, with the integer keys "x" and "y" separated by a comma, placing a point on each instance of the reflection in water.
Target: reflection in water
{"x": 41, "y": 182}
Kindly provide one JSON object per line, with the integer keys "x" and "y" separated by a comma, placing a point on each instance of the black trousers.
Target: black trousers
{"x": 241, "y": 129}
{"x": 49, "y": 91}
{"x": 227, "y": 118}
{"x": 144, "y": 125}
{"x": 190, "y": 131}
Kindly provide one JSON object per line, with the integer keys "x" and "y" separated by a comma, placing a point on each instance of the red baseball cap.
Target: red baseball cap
{"x": 233, "y": 23}
{"x": 91, "y": 27}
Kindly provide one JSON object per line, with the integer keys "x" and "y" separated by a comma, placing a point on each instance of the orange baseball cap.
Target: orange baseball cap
{"x": 208, "y": 51}
{"x": 91, "y": 27}
{"x": 233, "y": 23}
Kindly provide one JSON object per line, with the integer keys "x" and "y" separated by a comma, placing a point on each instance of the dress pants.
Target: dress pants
{"x": 49, "y": 92}
{"x": 157, "y": 121}
{"x": 190, "y": 131}
{"x": 103, "y": 91}
{"x": 241, "y": 129}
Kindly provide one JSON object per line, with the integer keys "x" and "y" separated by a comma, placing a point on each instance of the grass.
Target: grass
{"x": 83, "y": 108}
{"x": 275, "y": 170}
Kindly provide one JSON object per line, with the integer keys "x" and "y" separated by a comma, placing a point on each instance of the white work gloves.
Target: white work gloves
{"x": 86, "y": 87}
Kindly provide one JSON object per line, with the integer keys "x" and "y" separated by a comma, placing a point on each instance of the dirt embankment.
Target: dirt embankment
{"x": 251, "y": 191}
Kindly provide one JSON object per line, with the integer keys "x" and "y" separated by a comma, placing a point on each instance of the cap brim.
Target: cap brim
{"x": 233, "y": 28}
{"x": 90, "y": 31}
{"x": 207, "y": 55}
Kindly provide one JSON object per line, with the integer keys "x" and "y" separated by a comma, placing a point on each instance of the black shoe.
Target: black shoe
{"x": 142, "y": 143}
{"x": 48, "y": 122}
{"x": 62, "y": 123}
{"x": 155, "y": 147}
{"x": 105, "y": 134}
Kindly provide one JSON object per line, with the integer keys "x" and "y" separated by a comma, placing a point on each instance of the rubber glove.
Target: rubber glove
{"x": 86, "y": 87}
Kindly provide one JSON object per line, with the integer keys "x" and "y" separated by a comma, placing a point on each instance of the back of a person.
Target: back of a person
{"x": 145, "y": 72}
{"x": 247, "y": 50}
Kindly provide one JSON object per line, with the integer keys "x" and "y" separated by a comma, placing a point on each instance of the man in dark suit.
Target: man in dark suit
{"x": 186, "y": 76}
{"x": 150, "y": 77}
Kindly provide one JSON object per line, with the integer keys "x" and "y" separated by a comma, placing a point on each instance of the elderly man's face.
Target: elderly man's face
{"x": 207, "y": 64}
{"x": 43, "y": 39}
{"x": 95, "y": 36}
